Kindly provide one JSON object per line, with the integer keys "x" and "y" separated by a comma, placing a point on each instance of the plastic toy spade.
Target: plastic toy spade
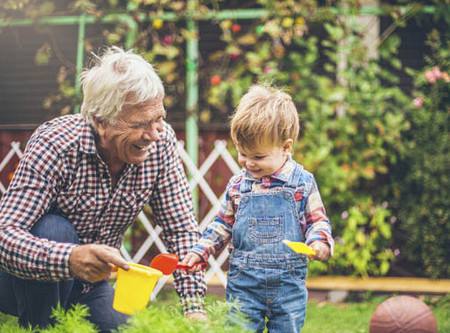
{"x": 167, "y": 263}
{"x": 300, "y": 247}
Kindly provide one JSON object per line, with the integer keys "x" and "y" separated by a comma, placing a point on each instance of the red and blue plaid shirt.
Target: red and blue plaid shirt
{"x": 61, "y": 169}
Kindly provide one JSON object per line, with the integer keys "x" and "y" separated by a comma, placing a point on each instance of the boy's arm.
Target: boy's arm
{"x": 318, "y": 227}
{"x": 218, "y": 233}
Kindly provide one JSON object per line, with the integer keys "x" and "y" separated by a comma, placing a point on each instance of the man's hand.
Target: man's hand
{"x": 190, "y": 260}
{"x": 200, "y": 316}
{"x": 93, "y": 262}
{"x": 322, "y": 251}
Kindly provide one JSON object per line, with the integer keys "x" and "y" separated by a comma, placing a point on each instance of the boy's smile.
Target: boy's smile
{"x": 264, "y": 160}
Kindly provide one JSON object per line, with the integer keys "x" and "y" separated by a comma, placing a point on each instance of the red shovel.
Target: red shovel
{"x": 167, "y": 263}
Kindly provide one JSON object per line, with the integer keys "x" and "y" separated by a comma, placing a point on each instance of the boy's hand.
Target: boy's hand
{"x": 190, "y": 260}
{"x": 322, "y": 250}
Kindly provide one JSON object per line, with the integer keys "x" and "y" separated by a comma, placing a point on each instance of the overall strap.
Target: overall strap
{"x": 246, "y": 185}
{"x": 294, "y": 179}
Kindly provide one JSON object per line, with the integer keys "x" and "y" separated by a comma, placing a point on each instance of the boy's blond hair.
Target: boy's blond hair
{"x": 264, "y": 116}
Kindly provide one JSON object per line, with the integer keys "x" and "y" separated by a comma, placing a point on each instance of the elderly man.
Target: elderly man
{"x": 81, "y": 183}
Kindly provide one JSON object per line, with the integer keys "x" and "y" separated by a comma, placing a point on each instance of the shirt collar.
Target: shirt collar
{"x": 87, "y": 138}
{"x": 283, "y": 174}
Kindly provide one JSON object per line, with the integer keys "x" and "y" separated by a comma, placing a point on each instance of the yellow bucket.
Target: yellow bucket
{"x": 134, "y": 287}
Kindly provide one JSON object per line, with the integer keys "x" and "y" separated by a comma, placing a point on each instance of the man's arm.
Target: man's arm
{"x": 27, "y": 199}
{"x": 172, "y": 205}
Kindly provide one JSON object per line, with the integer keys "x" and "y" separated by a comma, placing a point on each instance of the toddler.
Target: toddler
{"x": 273, "y": 198}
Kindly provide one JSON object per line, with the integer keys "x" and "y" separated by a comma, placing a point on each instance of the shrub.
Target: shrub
{"x": 421, "y": 178}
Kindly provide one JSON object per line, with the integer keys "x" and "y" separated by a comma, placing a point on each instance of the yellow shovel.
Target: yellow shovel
{"x": 300, "y": 247}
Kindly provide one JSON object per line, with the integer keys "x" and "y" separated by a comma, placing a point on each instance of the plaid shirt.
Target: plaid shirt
{"x": 61, "y": 170}
{"x": 315, "y": 224}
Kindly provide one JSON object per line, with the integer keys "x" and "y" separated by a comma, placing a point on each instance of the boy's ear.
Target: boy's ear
{"x": 287, "y": 145}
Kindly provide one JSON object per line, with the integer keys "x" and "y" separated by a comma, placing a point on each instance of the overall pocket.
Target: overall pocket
{"x": 265, "y": 230}
{"x": 234, "y": 271}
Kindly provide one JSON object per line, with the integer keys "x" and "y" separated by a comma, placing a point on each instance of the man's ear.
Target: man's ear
{"x": 100, "y": 126}
{"x": 287, "y": 145}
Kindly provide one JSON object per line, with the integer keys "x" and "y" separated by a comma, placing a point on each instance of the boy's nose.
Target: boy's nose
{"x": 250, "y": 164}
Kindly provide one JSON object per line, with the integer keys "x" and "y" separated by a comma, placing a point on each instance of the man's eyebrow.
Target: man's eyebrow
{"x": 147, "y": 122}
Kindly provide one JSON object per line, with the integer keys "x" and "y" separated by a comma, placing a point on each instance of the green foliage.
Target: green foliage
{"x": 73, "y": 320}
{"x": 168, "y": 319}
{"x": 422, "y": 175}
{"x": 8, "y": 324}
{"x": 356, "y": 123}
{"x": 321, "y": 318}
{"x": 352, "y": 124}
{"x": 162, "y": 318}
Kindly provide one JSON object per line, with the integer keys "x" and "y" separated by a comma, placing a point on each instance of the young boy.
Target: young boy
{"x": 272, "y": 199}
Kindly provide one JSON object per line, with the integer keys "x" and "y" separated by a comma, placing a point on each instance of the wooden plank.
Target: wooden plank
{"x": 388, "y": 284}
{"x": 391, "y": 284}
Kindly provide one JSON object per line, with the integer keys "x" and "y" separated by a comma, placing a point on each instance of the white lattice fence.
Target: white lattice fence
{"x": 14, "y": 151}
{"x": 198, "y": 180}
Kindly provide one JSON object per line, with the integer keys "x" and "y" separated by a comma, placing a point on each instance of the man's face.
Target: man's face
{"x": 128, "y": 139}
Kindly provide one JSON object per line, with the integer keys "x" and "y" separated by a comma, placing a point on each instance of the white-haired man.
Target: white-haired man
{"x": 81, "y": 183}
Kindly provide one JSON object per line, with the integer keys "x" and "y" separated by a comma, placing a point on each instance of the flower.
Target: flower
{"x": 215, "y": 80}
{"x": 300, "y": 21}
{"x": 267, "y": 69}
{"x": 234, "y": 55}
{"x": 287, "y": 22}
{"x": 236, "y": 27}
{"x": 168, "y": 40}
{"x": 418, "y": 102}
{"x": 157, "y": 24}
{"x": 433, "y": 75}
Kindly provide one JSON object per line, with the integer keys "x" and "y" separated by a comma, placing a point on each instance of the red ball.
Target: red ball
{"x": 403, "y": 314}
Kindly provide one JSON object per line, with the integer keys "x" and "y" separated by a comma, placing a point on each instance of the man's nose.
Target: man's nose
{"x": 153, "y": 133}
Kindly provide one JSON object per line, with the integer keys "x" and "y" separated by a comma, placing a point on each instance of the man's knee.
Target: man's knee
{"x": 56, "y": 228}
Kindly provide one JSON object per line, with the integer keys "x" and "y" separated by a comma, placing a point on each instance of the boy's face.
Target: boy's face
{"x": 264, "y": 160}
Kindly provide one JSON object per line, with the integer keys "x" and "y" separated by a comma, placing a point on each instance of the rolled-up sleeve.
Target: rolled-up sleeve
{"x": 318, "y": 226}
{"x": 218, "y": 233}
{"x": 172, "y": 206}
{"x": 28, "y": 197}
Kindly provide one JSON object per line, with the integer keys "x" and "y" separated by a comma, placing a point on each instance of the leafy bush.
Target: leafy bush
{"x": 352, "y": 124}
{"x": 421, "y": 178}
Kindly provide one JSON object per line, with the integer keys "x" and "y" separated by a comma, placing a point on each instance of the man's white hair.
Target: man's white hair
{"x": 117, "y": 76}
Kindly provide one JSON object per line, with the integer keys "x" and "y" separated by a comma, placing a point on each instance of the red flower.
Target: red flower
{"x": 168, "y": 40}
{"x": 236, "y": 28}
{"x": 215, "y": 79}
{"x": 234, "y": 56}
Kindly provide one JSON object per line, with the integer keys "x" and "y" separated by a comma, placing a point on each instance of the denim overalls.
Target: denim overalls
{"x": 265, "y": 277}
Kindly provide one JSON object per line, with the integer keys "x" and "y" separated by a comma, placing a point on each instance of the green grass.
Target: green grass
{"x": 164, "y": 316}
